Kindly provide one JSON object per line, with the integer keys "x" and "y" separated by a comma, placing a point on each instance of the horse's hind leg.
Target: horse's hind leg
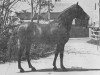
{"x": 27, "y": 56}
{"x": 20, "y": 52}
{"x": 61, "y": 60}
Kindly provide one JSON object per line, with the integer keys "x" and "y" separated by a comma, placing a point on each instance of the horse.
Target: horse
{"x": 55, "y": 33}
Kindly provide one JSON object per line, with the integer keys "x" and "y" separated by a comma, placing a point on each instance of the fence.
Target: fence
{"x": 94, "y": 33}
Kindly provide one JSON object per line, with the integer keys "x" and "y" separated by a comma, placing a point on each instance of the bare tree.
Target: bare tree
{"x": 5, "y": 8}
{"x": 42, "y": 4}
{"x": 37, "y": 6}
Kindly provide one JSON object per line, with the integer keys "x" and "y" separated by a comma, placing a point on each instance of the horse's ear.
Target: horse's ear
{"x": 77, "y": 3}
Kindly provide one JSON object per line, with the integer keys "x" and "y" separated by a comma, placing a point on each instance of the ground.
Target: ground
{"x": 80, "y": 57}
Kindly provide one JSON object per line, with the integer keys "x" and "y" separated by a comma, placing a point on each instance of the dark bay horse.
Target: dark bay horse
{"x": 54, "y": 33}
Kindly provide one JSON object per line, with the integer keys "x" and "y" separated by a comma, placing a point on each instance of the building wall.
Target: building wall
{"x": 79, "y": 32}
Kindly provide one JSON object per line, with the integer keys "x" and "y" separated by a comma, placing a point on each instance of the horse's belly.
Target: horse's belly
{"x": 47, "y": 35}
{"x": 46, "y": 39}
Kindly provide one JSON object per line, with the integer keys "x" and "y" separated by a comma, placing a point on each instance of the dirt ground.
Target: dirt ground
{"x": 81, "y": 57}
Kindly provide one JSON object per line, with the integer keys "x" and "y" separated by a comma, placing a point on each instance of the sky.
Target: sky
{"x": 87, "y": 5}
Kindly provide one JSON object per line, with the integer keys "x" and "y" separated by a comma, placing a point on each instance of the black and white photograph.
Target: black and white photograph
{"x": 49, "y": 37}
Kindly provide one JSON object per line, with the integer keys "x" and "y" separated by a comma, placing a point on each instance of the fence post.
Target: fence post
{"x": 90, "y": 33}
{"x": 99, "y": 22}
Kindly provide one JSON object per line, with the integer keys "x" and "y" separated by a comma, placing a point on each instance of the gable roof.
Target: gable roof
{"x": 59, "y": 7}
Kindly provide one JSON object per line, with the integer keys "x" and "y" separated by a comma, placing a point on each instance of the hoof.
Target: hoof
{"x": 63, "y": 68}
{"x": 55, "y": 69}
{"x": 33, "y": 69}
{"x": 22, "y": 70}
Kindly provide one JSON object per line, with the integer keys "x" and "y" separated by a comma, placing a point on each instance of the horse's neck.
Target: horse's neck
{"x": 68, "y": 19}
{"x": 70, "y": 16}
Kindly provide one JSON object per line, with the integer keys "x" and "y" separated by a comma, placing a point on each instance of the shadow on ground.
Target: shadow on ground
{"x": 60, "y": 70}
{"x": 94, "y": 42}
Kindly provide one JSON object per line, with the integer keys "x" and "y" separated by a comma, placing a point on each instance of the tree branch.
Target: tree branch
{"x": 13, "y": 3}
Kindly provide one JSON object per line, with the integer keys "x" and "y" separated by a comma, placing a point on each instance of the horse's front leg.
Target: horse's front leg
{"x": 63, "y": 41}
{"x": 61, "y": 60}
{"x": 28, "y": 47}
{"x": 61, "y": 47}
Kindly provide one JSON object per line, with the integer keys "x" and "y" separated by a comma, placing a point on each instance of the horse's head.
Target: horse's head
{"x": 75, "y": 11}
{"x": 81, "y": 14}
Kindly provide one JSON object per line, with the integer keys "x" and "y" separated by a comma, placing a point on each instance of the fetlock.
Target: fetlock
{"x": 55, "y": 68}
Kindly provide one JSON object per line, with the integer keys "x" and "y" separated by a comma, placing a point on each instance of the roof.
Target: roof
{"x": 19, "y": 6}
{"x": 59, "y": 7}
{"x": 25, "y": 6}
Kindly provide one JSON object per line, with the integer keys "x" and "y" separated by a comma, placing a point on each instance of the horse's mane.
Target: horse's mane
{"x": 66, "y": 10}
{"x": 62, "y": 19}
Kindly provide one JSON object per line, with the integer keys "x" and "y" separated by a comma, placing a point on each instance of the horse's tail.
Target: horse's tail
{"x": 12, "y": 46}
{"x": 9, "y": 50}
